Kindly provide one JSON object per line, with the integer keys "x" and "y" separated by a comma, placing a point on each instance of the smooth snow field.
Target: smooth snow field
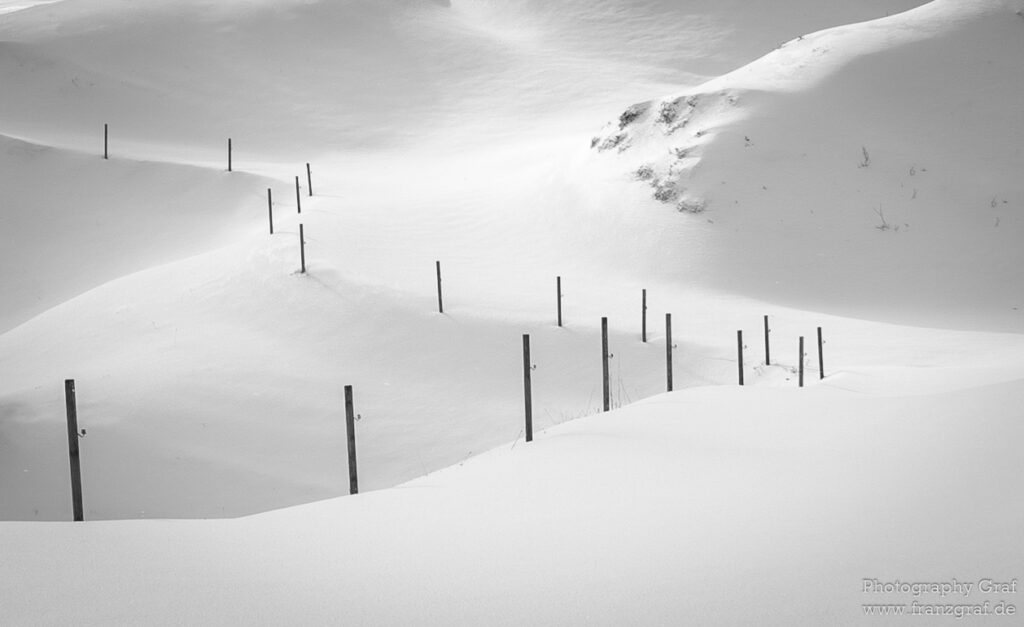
{"x": 853, "y": 166}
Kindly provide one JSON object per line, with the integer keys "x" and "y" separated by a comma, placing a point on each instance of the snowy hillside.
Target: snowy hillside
{"x": 886, "y": 156}
{"x": 73, "y": 222}
{"x": 864, "y": 179}
{"x": 223, "y": 354}
{"x": 298, "y": 78}
{"x": 709, "y": 507}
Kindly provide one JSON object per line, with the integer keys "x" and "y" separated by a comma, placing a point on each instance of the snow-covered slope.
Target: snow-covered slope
{"x": 871, "y": 169}
{"x": 216, "y": 379}
{"x": 73, "y": 221}
{"x": 295, "y": 79}
{"x": 713, "y": 506}
{"x": 209, "y": 370}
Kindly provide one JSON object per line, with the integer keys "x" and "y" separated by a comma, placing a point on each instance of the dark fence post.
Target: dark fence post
{"x": 105, "y": 156}
{"x": 767, "y": 347}
{"x": 821, "y": 357}
{"x": 76, "y": 469}
{"x": 229, "y": 154}
{"x": 604, "y": 365}
{"x": 302, "y": 247}
{"x": 440, "y": 302}
{"x": 668, "y": 349}
{"x": 558, "y": 285}
{"x": 643, "y": 315}
{"x": 527, "y": 389}
{"x": 350, "y": 426}
{"x": 309, "y": 179}
{"x": 801, "y": 367}
{"x": 298, "y": 198}
{"x": 270, "y": 210}
{"x": 739, "y": 353}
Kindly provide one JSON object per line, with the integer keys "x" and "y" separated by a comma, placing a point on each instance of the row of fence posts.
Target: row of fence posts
{"x": 69, "y": 384}
{"x": 668, "y": 339}
{"x": 605, "y": 355}
{"x": 298, "y": 208}
{"x": 270, "y": 197}
{"x": 528, "y": 366}
{"x": 73, "y": 433}
{"x": 309, "y": 175}
{"x": 440, "y": 301}
{"x": 74, "y": 454}
{"x": 768, "y": 354}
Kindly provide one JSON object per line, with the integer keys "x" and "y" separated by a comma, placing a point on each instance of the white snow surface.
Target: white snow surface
{"x": 711, "y": 506}
{"x": 209, "y": 370}
{"x": 883, "y": 157}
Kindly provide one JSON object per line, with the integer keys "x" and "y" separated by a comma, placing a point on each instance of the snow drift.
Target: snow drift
{"x": 872, "y": 169}
{"x": 708, "y": 506}
{"x": 73, "y": 221}
{"x": 210, "y": 371}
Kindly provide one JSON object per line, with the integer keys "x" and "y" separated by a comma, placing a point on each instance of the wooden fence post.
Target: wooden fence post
{"x": 440, "y": 302}
{"x": 229, "y": 154}
{"x": 527, "y": 388}
{"x": 767, "y": 347}
{"x": 270, "y": 210}
{"x": 298, "y": 197}
{"x": 350, "y": 426}
{"x": 739, "y": 353}
{"x": 76, "y": 469}
{"x": 821, "y": 357}
{"x": 309, "y": 179}
{"x": 643, "y": 315}
{"x": 105, "y": 156}
{"x": 801, "y": 367}
{"x": 668, "y": 349}
{"x": 558, "y": 285}
{"x": 604, "y": 365}
{"x": 302, "y": 247}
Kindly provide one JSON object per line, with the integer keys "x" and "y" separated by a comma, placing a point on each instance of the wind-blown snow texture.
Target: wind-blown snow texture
{"x": 863, "y": 178}
{"x": 885, "y": 155}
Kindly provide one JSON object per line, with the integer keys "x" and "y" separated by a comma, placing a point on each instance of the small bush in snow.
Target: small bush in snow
{"x": 617, "y": 140}
{"x": 669, "y": 112}
{"x": 632, "y": 113}
{"x": 665, "y": 191}
{"x": 866, "y": 161}
{"x": 644, "y": 172}
{"x": 691, "y": 205}
{"x": 884, "y": 224}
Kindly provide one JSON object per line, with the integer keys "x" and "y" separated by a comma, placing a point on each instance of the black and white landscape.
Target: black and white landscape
{"x": 856, "y": 167}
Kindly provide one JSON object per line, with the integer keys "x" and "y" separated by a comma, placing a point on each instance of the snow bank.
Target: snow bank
{"x": 73, "y": 221}
{"x": 709, "y": 506}
{"x": 210, "y": 385}
{"x": 871, "y": 169}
